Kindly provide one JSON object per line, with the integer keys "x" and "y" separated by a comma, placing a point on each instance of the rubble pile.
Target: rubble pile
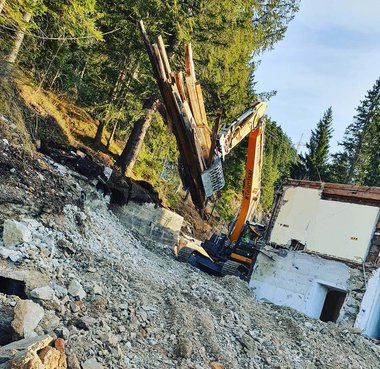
{"x": 121, "y": 301}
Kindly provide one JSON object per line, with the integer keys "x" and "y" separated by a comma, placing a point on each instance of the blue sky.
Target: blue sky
{"x": 330, "y": 56}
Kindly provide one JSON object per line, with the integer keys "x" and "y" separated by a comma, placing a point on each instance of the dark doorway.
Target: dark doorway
{"x": 14, "y": 287}
{"x": 333, "y": 303}
{"x": 10, "y": 286}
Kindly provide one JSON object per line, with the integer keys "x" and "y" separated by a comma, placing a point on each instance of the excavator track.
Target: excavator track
{"x": 232, "y": 268}
{"x": 184, "y": 254}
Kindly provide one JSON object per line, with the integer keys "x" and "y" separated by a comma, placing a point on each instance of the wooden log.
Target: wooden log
{"x": 188, "y": 113}
{"x": 160, "y": 63}
{"x": 191, "y": 165}
{"x": 164, "y": 55}
{"x": 193, "y": 99}
{"x": 189, "y": 63}
{"x": 201, "y": 102}
{"x": 204, "y": 134}
{"x": 183, "y": 130}
{"x": 178, "y": 77}
{"x": 149, "y": 50}
{"x": 184, "y": 125}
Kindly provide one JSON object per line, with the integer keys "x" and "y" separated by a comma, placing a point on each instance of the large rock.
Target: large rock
{"x": 27, "y": 315}
{"x": 76, "y": 290}
{"x": 32, "y": 353}
{"x": 52, "y": 358}
{"x": 43, "y": 293}
{"x": 25, "y": 350}
{"x": 15, "y": 233}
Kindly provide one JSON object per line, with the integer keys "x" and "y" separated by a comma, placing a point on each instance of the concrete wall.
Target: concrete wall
{"x": 301, "y": 281}
{"x": 158, "y": 224}
{"x": 368, "y": 319}
{"x": 329, "y": 227}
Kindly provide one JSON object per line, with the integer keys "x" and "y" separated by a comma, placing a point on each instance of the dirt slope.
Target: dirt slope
{"x": 139, "y": 308}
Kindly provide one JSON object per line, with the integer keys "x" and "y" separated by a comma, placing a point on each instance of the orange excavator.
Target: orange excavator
{"x": 234, "y": 253}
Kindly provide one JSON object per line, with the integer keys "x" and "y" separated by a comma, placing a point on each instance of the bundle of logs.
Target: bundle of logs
{"x": 186, "y": 115}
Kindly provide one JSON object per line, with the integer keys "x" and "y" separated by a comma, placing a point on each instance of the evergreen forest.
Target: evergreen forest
{"x": 86, "y": 60}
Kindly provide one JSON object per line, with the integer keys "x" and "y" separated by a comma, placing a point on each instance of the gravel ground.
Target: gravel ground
{"x": 121, "y": 301}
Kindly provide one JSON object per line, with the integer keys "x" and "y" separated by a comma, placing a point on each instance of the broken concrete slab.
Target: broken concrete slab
{"x": 31, "y": 278}
{"x": 156, "y": 223}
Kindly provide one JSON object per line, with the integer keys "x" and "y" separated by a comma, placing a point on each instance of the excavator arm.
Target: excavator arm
{"x": 250, "y": 123}
{"x": 234, "y": 254}
{"x": 251, "y": 191}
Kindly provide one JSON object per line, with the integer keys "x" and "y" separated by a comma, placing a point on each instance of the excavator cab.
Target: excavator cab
{"x": 246, "y": 248}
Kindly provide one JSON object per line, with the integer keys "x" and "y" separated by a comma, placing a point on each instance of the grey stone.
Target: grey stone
{"x": 27, "y": 316}
{"x": 97, "y": 290}
{"x": 43, "y": 293}
{"x": 13, "y": 255}
{"x": 76, "y": 290}
{"x": 92, "y": 364}
{"x": 72, "y": 361}
{"x": 184, "y": 347}
{"x": 15, "y": 233}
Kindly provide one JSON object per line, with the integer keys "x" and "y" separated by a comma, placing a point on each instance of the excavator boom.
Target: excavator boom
{"x": 252, "y": 185}
{"x": 250, "y": 123}
{"x": 236, "y": 252}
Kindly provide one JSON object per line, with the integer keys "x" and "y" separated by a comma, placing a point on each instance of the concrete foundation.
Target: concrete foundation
{"x": 368, "y": 319}
{"x": 156, "y": 223}
{"x": 317, "y": 287}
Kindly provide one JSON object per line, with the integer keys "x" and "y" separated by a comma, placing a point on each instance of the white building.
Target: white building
{"x": 323, "y": 259}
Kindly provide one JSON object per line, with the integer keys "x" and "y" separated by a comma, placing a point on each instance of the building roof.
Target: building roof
{"x": 340, "y": 192}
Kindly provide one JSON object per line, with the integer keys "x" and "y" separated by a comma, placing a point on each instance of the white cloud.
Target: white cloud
{"x": 359, "y": 15}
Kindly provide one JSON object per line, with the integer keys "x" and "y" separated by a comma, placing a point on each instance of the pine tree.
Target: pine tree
{"x": 279, "y": 155}
{"x": 338, "y": 171}
{"x": 361, "y": 140}
{"x": 316, "y": 159}
{"x": 371, "y": 175}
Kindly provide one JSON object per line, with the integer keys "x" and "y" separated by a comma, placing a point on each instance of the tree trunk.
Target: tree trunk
{"x": 112, "y": 99}
{"x": 110, "y": 138}
{"x": 19, "y": 38}
{"x": 2, "y": 3}
{"x": 128, "y": 157}
{"x": 99, "y": 134}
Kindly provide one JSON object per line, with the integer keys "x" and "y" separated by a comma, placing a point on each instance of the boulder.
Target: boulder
{"x": 76, "y": 290}
{"x": 27, "y": 315}
{"x": 43, "y": 293}
{"x": 32, "y": 353}
{"x": 15, "y": 233}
